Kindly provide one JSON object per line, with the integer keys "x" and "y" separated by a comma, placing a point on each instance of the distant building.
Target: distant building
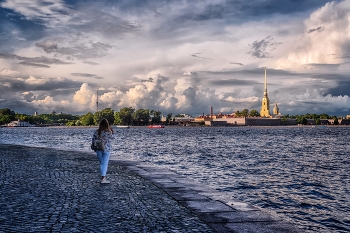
{"x": 163, "y": 118}
{"x": 184, "y": 117}
{"x": 244, "y": 121}
{"x": 19, "y": 123}
{"x": 276, "y": 110}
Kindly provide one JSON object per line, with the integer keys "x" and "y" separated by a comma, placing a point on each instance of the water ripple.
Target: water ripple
{"x": 301, "y": 173}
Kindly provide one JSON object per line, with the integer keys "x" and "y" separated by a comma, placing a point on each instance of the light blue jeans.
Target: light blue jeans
{"x": 103, "y": 158}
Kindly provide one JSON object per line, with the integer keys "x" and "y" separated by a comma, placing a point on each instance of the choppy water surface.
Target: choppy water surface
{"x": 301, "y": 173}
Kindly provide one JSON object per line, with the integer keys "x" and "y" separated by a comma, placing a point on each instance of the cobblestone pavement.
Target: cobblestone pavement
{"x": 47, "y": 190}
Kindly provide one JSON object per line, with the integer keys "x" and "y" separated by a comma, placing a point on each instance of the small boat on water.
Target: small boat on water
{"x": 155, "y": 126}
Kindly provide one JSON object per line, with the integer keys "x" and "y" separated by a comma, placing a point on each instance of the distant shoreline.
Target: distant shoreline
{"x": 176, "y": 126}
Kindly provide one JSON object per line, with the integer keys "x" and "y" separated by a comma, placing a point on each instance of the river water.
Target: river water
{"x": 300, "y": 173}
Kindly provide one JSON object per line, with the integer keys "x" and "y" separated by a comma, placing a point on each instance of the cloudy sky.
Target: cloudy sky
{"x": 175, "y": 56}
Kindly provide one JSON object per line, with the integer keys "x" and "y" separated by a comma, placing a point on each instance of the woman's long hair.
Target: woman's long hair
{"x": 104, "y": 125}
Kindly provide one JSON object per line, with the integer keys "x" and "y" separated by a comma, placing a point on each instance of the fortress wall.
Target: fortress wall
{"x": 290, "y": 122}
{"x": 236, "y": 121}
{"x": 324, "y": 121}
{"x": 217, "y": 123}
{"x": 311, "y": 122}
{"x": 344, "y": 122}
{"x": 263, "y": 121}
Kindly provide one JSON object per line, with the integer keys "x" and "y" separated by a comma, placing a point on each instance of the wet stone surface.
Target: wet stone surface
{"x": 46, "y": 190}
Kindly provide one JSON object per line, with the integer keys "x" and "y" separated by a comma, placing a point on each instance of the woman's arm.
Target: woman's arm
{"x": 107, "y": 135}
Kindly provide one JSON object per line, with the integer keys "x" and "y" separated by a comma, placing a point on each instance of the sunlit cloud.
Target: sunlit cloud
{"x": 174, "y": 57}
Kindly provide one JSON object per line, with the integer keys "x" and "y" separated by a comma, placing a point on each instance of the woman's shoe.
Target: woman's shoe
{"x": 105, "y": 181}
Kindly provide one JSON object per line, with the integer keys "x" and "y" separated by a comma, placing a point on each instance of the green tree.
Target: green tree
{"x": 156, "y": 116}
{"x": 87, "y": 119}
{"x": 117, "y": 119}
{"x": 168, "y": 118}
{"x": 245, "y": 112}
{"x": 318, "y": 121}
{"x": 4, "y": 119}
{"x": 301, "y": 120}
{"x": 6, "y": 116}
{"x": 7, "y": 111}
{"x": 141, "y": 117}
{"x": 108, "y": 113}
{"x": 97, "y": 117}
{"x": 324, "y": 116}
{"x": 125, "y": 115}
{"x": 70, "y": 123}
{"x": 254, "y": 113}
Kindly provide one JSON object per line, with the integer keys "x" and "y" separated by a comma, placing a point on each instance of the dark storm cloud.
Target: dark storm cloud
{"x": 324, "y": 66}
{"x": 236, "y": 63}
{"x": 322, "y": 107}
{"x": 110, "y": 27}
{"x": 319, "y": 29}
{"x": 10, "y": 21}
{"x": 211, "y": 12}
{"x": 82, "y": 51}
{"x": 48, "y": 45}
{"x": 261, "y": 49}
{"x": 150, "y": 79}
{"x": 242, "y": 10}
{"x": 196, "y": 56}
{"x": 102, "y": 22}
{"x": 86, "y": 75}
{"x": 331, "y": 76}
{"x": 90, "y": 63}
{"x": 27, "y": 63}
{"x": 44, "y": 60}
{"x": 268, "y": 7}
{"x": 233, "y": 82}
{"x": 342, "y": 89}
{"x": 33, "y": 61}
{"x": 345, "y": 56}
{"x": 255, "y": 72}
{"x": 21, "y": 106}
{"x": 19, "y": 93}
{"x": 20, "y": 85}
{"x": 190, "y": 94}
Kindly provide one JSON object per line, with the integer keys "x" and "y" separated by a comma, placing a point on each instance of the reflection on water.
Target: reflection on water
{"x": 299, "y": 172}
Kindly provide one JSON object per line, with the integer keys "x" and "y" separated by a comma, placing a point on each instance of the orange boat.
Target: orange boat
{"x": 155, "y": 126}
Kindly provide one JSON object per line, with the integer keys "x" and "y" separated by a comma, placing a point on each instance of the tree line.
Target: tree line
{"x": 126, "y": 116}
{"x": 129, "y": 116}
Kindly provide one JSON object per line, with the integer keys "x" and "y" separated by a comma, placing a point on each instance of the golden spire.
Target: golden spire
{"x": 265, "y": 102}
{"x": 265, "y": 91}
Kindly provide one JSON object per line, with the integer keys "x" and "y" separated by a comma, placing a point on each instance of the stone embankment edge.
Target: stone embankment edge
{"x": 222, "y": 213}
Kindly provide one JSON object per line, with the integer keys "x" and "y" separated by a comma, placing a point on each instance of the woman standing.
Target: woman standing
{"x": 106, "y": 134}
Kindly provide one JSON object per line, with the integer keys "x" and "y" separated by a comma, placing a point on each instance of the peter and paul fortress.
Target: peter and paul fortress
{"x": 265, "y": 118}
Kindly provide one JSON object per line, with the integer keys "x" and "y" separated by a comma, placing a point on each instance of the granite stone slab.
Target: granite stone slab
{"x": 207, "y": 206}
{"x": 238, "y": 217}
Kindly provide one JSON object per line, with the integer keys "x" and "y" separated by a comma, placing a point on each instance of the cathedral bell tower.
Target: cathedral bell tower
{"x": 276, "y": 110}
{"x": 265, "y": 103}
